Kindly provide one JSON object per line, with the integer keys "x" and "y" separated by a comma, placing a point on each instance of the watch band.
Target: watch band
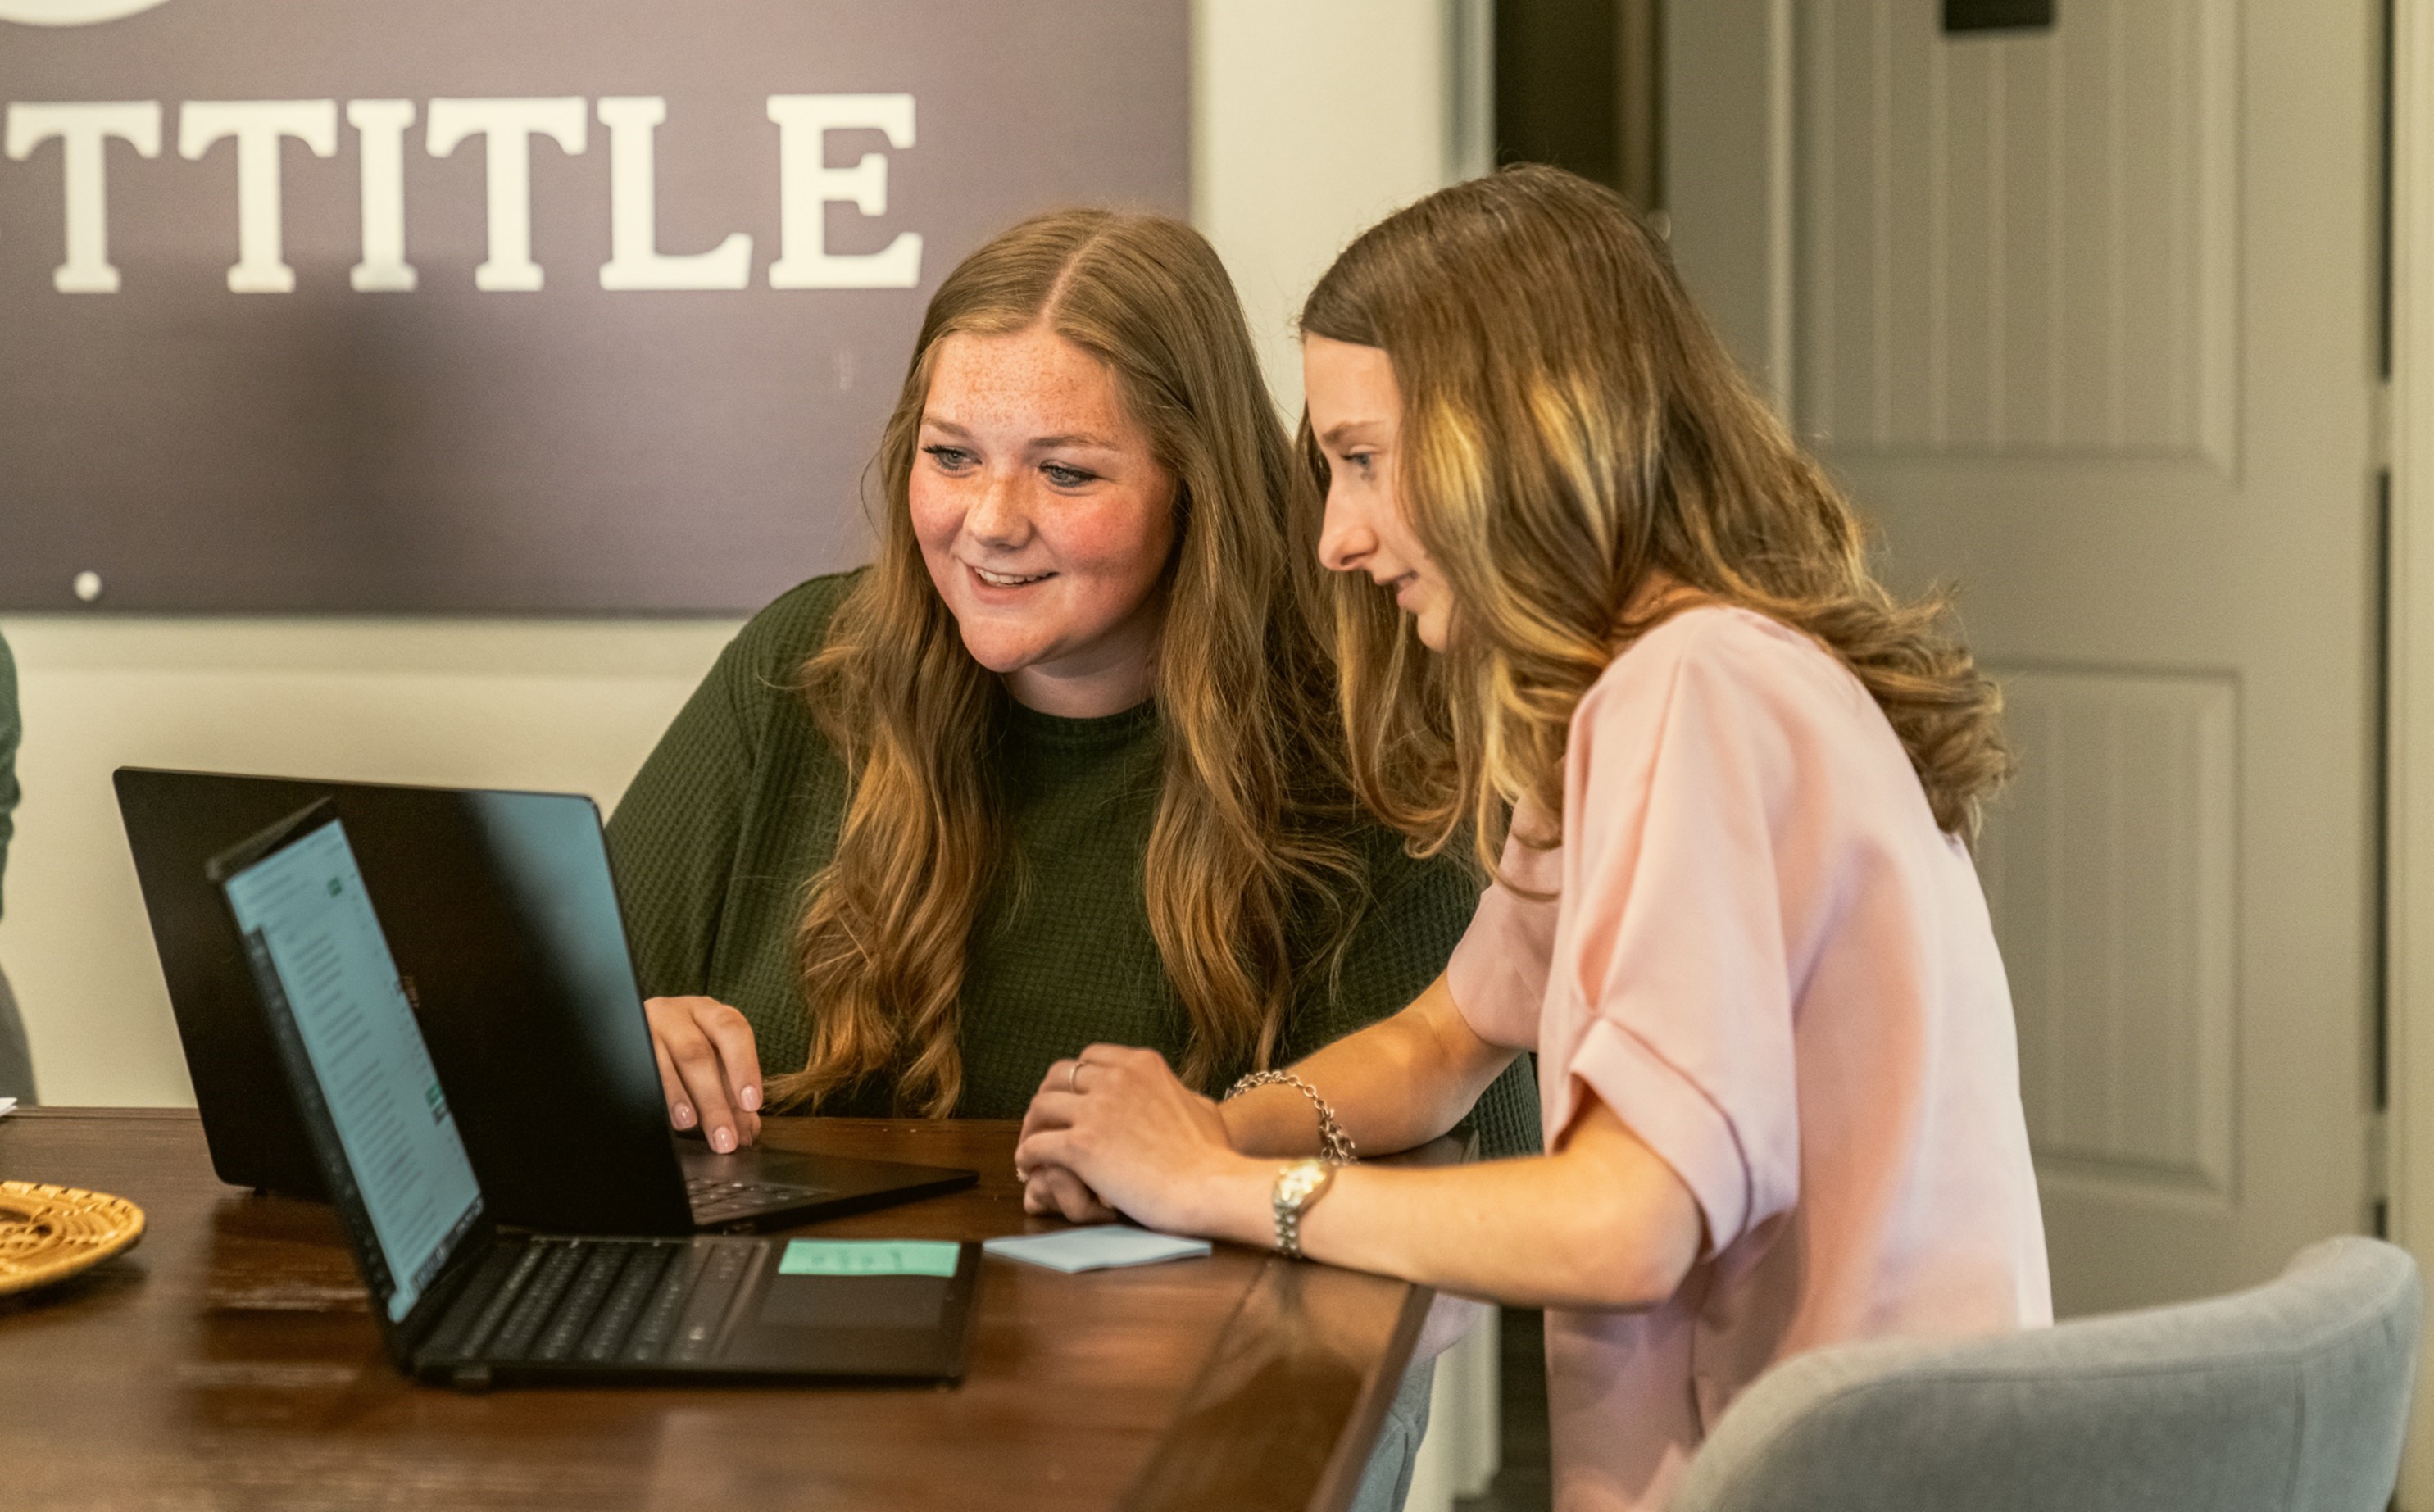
{"x": 1297, "y": 1187}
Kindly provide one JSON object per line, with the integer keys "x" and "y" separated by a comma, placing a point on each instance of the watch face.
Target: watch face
{"x": 1296, "y": 1183}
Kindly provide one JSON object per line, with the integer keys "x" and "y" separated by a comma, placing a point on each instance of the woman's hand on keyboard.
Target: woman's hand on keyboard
{"x": 708, "y": 1069}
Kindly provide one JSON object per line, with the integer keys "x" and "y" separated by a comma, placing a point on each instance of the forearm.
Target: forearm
{"x": 1399, "y": 1083}
{"x": 1607, "y": 1227}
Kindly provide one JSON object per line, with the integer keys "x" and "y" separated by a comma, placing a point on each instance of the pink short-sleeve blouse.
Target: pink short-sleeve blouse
{"x": 1767, "y": 959}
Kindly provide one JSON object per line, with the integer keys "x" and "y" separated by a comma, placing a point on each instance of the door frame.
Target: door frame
{"x": 2409, "y": 866}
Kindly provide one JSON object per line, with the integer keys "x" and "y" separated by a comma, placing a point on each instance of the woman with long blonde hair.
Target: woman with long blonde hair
{"x": 1629, "y": 648}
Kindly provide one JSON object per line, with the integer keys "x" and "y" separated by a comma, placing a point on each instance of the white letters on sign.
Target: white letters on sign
{"x": 635, "y": 261}
{"x": 807, "y": 185}
{"x": 380, "y": 129}
{"x": 258, "y": 125}
{"x": 82, "y": 131}
{"x": 510, "y": 126}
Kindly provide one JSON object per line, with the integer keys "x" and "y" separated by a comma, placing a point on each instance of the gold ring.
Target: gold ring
{"x": 1073, "y": 1077}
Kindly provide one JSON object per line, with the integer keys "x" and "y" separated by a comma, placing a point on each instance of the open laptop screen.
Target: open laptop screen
{"x": 317, "y": 946}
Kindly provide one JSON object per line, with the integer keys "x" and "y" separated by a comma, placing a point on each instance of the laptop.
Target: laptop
{"x": 503, "y": 917}
{"x": 459, "y": 1300}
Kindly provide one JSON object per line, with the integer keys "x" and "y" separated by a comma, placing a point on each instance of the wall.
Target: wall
{"x": 1309, "y": 122}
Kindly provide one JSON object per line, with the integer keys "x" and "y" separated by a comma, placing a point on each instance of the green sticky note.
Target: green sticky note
{"x": 870, "y": 1257}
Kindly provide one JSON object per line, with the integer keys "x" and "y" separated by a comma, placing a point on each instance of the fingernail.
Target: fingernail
{"x": 682, "y": 1115}
{"x": 722, "y": 1140}
{"x": 751, "y": 1099}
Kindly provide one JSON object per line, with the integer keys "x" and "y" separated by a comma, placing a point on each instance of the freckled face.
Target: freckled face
{"x": 1356, "y": 411}
{"x": 1045, "y": 519}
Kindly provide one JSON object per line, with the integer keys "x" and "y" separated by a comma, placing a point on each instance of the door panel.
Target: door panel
{"x": 2018, "y": 245}
{"x": 2085, "y": 320}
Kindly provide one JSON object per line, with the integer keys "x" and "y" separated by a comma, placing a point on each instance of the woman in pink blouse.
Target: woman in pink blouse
{"x": 1722, "y": 781}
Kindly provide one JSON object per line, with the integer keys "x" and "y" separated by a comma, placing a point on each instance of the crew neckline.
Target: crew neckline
{"x": 1058, "y": 730}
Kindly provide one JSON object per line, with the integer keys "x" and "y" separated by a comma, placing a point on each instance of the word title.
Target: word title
{"x": 807, "y": 185}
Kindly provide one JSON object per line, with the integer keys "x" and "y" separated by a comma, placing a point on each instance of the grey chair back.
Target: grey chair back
{"x": 2292, "y": 1398}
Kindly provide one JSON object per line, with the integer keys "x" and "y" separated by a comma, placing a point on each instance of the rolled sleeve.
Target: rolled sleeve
{"x": 1674, "y": 1117}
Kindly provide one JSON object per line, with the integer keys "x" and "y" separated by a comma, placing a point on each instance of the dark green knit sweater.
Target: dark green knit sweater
{"x": 742, "y": 802}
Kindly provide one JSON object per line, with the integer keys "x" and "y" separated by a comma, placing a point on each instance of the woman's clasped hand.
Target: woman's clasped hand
{"x": 1164, "y": 1142}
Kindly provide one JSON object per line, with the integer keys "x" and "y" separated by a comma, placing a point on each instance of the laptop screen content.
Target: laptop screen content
{"x": 316, "y": 941}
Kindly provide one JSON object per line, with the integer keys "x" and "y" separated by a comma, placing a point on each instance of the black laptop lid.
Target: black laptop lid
{"x": 336, "y": 1011}
{"x": 502, "y": 915}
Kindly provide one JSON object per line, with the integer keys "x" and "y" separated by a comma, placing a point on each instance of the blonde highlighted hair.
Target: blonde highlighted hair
{"x": 1244, "y": 879}
{"x": 1571, "y": 427}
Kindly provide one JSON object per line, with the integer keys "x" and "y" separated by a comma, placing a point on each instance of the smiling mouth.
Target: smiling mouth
{"x": 1007, "y": 579}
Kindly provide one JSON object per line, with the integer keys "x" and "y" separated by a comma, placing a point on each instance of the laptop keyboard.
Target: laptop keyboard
{"x": 716, "y": 1201}
{"x": 597, "y": 1301}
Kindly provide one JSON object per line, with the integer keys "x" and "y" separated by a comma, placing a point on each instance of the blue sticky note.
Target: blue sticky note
{"x": 1094, "y": 1248}
{"x": 868, "y": 1257}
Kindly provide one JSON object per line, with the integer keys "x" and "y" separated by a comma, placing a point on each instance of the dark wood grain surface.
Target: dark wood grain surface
{"x": 228, "y": 1361}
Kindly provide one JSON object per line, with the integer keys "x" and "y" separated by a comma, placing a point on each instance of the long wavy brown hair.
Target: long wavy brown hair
{"x": 1571, "y": 426}
{"x": 1247, "y": 879}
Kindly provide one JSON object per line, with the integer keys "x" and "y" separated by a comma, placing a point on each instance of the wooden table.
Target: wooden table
{"x": 229, "y": 1361}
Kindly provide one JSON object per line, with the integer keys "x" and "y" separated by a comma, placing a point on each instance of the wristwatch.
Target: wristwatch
{"x": 1297, "y": 1186}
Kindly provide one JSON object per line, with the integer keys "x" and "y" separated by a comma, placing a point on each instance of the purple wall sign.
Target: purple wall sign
{"x": 509, "y": 306}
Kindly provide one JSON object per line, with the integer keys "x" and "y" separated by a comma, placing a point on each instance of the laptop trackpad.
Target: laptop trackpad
{"x": 854, "y": 1301}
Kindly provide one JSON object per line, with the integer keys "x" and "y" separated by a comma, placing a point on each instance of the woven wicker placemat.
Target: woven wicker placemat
{"x": 49, "y": 1233}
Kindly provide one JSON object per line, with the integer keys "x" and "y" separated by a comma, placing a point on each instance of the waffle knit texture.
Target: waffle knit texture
{"x": 741, "y": 804}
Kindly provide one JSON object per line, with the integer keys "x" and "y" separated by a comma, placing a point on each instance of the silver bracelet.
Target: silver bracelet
{"x": 1335, "y": 1146}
